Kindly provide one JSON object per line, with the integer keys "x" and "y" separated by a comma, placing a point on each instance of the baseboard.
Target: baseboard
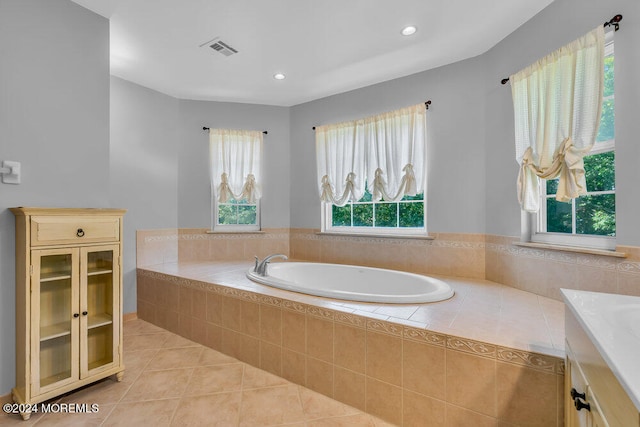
{"x": 129, "y": 316}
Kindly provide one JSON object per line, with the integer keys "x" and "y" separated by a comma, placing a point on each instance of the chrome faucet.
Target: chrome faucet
{"x": 261, "y": 266}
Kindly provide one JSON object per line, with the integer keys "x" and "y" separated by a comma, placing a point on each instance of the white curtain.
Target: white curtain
{"x": 235, "y": 157}
{"x": 396, "y": 153}
{"x": 557, "y": 103}
{"x": 388, "y": 151}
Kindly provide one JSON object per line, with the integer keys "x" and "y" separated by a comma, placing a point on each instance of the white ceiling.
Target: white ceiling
{"x": 323, "y": 46}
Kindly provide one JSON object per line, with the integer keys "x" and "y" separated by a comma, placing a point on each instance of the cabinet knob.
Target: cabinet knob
{"x": 574, "y": 394}
{"x": 580, "y": 405}
{"x": 76, "y": 315}
{"x": 80, "y": 232}
{"x": 84, "y": 313}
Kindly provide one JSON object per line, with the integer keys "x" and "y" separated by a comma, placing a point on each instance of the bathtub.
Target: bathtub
{"x": 353, "y": 283}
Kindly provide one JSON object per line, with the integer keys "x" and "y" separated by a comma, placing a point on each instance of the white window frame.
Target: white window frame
{"x": 328, "y": 227}
{"x": 230, "y": 228}
{"x": 534, "y": 224}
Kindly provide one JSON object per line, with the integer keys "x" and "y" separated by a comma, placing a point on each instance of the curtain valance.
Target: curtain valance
{"x": 235, "y": 157}
{"x": 387, "y": 151}
{"x": 557, "y": 103}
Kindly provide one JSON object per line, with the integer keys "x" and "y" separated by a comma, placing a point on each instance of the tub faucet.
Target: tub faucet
{"x": 261, "y": 266}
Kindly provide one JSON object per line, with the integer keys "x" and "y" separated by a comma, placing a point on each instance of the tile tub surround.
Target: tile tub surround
{"x": 491, "y": 354}
{"x": 544, "y": 272}
{"x": 476, "y": 256}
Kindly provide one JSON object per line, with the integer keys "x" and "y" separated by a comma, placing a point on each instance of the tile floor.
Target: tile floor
{"x": 171, "y": 381}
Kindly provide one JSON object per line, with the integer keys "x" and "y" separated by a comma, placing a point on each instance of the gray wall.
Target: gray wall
{"x": 455, "y": 142}
{"x": 54, "y": 119}
{"x": 558, "y": 24}
{"x": 194, "y": 196}
{"x": 143, "y": 167}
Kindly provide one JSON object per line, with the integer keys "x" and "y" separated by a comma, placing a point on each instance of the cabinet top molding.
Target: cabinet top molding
{"x": 24, "y": 211}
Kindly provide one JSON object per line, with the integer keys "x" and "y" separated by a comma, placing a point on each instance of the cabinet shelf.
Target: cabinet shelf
{"x": 56, "y": 330}
{"x": 52, "y": 277}
{"x": 95, "y": 321}
{"x": 55, "y": 378}
{"x": 99, "y": 271}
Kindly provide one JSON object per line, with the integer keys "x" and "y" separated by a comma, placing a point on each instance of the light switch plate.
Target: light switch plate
{"x": 11, "y": 178}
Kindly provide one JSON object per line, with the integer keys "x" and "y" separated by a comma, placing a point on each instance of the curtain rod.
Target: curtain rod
{"x": 206, "y": 128}
{"x": 426, "y": 104}
{"x": 615, "y": 22}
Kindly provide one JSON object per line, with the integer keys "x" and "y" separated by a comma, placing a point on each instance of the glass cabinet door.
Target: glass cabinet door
{"x": 99, "y": 302}
{"x": 54, "y": 323}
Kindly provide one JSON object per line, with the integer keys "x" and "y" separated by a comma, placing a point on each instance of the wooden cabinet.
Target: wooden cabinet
{"x": 593, "y": 395}
{"x": 68, "y": 300}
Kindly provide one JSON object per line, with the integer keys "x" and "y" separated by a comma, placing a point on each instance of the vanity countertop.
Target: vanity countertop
{"x": 612, "y": 322}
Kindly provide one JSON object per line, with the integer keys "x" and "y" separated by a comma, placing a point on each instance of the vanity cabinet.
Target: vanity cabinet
{"x": 68, "y": 301}
{"x": 593, "y": 395}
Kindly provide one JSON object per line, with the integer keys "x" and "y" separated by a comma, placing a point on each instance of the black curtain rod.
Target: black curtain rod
{"x": 426, "y": 104}
{"x": 615, "y": 22}
{"x": 206, "y": 128}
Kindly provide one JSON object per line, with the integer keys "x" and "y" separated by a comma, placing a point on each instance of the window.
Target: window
{"x": 371, "y": 173}
{"x": 237, "y": 215}
{"x": 406, "y": 216}
{"x": 235, "y": 157}
{"x": 588, "y": 220}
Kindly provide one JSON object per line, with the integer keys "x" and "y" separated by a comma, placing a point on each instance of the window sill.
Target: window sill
{"x": 602, "y": 252}
{"x": 384, "y": 236}
{"x": 235, "y": 232}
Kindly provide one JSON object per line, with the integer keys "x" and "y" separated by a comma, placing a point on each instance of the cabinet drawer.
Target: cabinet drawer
{"x": 55, "y": 230}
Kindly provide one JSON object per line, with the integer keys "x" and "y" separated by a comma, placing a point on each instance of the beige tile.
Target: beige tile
{"x": 271, "y": 324}
{"x": 145, "y": 342}
{"x": 628, "y": 283}
{"x": 199, "y": 304}
{"x": 153, "y": 385}
{"x": 293, "y": 331}
{"x": 471, "y": 382}
{"x": 250, "y": 318}
{"x": 419, "y": 410}
{"x": 349, "y": 387}
{"x": 258, "y": 378}
{"x": 360, "y": 420}
{"x": 140, "y": 327}
{"x": 460, "y": 417}
{"x": 156, "y": 413}
{"x": 214, "y": 308}
{"x": 319, "y": 376}
{"x": 271, "y": 406}
{"x": 315, "y": 405}
{"x": 85, "y": 419}
{"x": 349, "y": 347}
{"x": 212, "y": 357}
{"x": 171, "y": 358}
{"x": 232, "y": 313}
{"x": 213, "y": 337}
{"x": 215, "y": 379}
{"x": 136, "y": 361}
{"x": 249, "y": 350}
{"x": 424, "y": 369}
{"x": 320, "y": 338}
{"x": 384, "y": 400}
{"x": 222, "y": 409}
{"x": 526, "y": 396}
{"x": 596, "y": 279}
{"x": 102, "y": 393}
{"x": 271, "y": 358}
{"x": 294, "y": 366}
{"x": 384, "y": 357}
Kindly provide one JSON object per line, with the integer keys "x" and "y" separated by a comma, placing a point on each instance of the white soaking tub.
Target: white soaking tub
{"x": 354, "y": 283}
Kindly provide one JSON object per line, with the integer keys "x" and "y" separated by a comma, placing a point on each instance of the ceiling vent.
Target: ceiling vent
{"x": 217, "y": 45}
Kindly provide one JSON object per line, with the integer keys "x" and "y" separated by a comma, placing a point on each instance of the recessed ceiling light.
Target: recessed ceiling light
{"x": 407, "y": 31}
{"x": 279, "y": 76}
